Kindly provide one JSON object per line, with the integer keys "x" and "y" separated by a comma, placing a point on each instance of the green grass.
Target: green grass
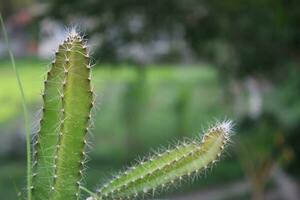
{"x": 24, "y": 106}
{"x": 31, "y": 76}
{"x": 105, "y": 78}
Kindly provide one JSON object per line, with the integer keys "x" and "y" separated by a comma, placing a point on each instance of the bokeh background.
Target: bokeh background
{"x": 164, "y": 70}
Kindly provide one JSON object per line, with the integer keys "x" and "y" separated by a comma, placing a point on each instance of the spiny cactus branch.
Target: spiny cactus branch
{"x": 169, "y": 167}
{"x": 77, "y": 102}
{"x": 67, "y": 102}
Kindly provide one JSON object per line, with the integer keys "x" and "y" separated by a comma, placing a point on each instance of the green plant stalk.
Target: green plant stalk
{"x": 25, "y": 112}
{"x": 77, "y": 102}
{"x": 67, "y": 102}
{"x": 169, "y": 167}
{"x": 47, "y": 136}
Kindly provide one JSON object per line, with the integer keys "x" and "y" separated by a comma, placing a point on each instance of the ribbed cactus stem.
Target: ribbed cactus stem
{"x": 46, "y": 138}
{"x": 169, "y": 167}
{"x": 67, "y": 103}
{"x": 77, "y": 102}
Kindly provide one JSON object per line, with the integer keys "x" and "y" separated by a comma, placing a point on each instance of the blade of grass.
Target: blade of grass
{"x": 16, "y": 189}
{"x": 25, "y": 112}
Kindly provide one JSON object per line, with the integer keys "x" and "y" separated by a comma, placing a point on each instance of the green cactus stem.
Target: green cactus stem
{"x": 47, "y": 136}
{"x": 77, "y": 102}
{"x": 169, "y": 167}
{"x": 68, "y": 100}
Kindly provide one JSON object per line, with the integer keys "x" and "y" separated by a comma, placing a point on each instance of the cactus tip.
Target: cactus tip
{"x": 227, "y": 126}
{"x": 73, "y": 33}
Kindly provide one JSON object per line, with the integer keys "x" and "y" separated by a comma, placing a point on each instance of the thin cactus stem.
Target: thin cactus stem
{"x": 166, "y": 168}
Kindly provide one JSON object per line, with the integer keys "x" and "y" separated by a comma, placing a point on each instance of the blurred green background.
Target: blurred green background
{"x": 165, "y": 70}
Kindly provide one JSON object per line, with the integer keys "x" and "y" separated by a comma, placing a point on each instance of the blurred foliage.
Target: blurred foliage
{"x": 134, "y": 96}
{"x": 258, "y": 160}
{"x": 9, "y": 7}
{"x": 241, "y": 37}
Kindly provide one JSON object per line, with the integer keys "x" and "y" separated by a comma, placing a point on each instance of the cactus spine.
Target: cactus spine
{"x": 68, "y": 99}
{"x": 168, "y": 167}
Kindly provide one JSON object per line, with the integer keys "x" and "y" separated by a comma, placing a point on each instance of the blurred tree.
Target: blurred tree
{"x": 242, "y": 37}
{"x": 8, "y": 8}
{"x": 132, "y": 112}
{"x": 260, "y": 146}
{"x": 180, "y": 109}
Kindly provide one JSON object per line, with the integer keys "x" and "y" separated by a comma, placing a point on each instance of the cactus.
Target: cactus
{"x": 68, "y": 99}
{"x": 59, "y": 145}
{"x": 170, "y": 166}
